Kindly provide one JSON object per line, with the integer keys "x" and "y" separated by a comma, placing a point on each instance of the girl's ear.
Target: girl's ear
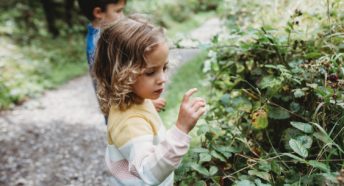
{"x": 98, "y": 13}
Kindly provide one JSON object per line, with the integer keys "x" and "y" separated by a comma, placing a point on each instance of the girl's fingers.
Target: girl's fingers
{"x": 160, "y": 104}
{"x": 200, "y": 112}
{"x": 188, "y": 94}
{"x": 196, "y": 100}
{"x": 162, "y": 101}
{"x": 159, "y": 100}
{"x": 198, "y": 105}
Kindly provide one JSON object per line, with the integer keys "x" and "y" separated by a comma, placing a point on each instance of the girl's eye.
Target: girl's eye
{"x": 165, "y": 68}
{"x": 149, "y": 73}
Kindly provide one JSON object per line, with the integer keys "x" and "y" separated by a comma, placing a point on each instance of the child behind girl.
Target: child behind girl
{"x": 130, "y": 64}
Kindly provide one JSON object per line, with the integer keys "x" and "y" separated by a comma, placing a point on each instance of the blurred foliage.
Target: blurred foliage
{"x": 276, "y": 104}
{"x": 33, "y": 58}
{"x": 27, "y": 70}
{"x": 44, "y": 41}
{"x": 24, "y": 20}
{"x": 166, "y": 13}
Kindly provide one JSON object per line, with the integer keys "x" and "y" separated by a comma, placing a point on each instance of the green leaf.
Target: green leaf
{"x": 276, "y": 168}
{"x": 270, "y": 82}
{"x": 322, "y": 137}
{"x": 230, "y": 109}
{"x": 225, "y": 151}
{"x": 277, "y": 113}
{"x": 295, "y": 107}
{"x": 213, "y": 170}
{"x": 218, "y": 155}
{"x": 288, "y": 30}
{"x": 239, "y": 68}
{"x": 204, "y": 157}
{"x": 244, "y": 183}
{"x": 288, "y": 134}
{"x": 201, "y": 183}
{"x": 299, "y": 93}
{"x": 313, "y": 55}
{"x": 260, "y": 119}
{"x": 330, "y": 176}
{"x": 312, "y": 85}
{"x": 242, "y": 104}
{"x": 200, "y": 169}
{"x": 306, "y": 141}
{"x": 202, "y": 129}
{"x": 298, "y": 148}
{"x": 258, "y": 182}
{"x": 304, "y": 127}
{"x": 295, "y": 157}
{"x": 200, "y": 150}
{"x": 264, "y": 175}
{"x": 225, "y": 99}
{"x": 319, "y": 165}
{"x": 324, "y": 93}
{"x": 264, "y": 165}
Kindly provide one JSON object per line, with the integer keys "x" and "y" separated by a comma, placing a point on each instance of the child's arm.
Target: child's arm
{"x": 153, "y": 163}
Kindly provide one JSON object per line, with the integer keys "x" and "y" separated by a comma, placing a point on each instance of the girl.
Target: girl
{"x": 130, "y": 64}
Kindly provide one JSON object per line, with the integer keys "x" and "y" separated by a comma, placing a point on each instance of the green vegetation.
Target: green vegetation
{"x": 276, "y": 104}
{"x": 26, "y": 71}
{"x": 178, "y": 16}
{"x": 32, "y": 58}
{"x": 276, "y": 83}
{"x": 189, "y": 74}
{"x": 35, "y": 58}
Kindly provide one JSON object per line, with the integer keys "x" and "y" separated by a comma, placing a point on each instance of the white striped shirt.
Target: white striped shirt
{"x": 140, "y": 150}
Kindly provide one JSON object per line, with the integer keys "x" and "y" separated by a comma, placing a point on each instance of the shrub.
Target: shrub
{"x": 276, "y": 109}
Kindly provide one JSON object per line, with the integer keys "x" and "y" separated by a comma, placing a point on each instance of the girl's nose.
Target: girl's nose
{"x": 162, "y": 78}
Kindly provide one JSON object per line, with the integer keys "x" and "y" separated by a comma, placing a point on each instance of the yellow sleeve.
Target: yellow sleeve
{"x": 130, "y": 129}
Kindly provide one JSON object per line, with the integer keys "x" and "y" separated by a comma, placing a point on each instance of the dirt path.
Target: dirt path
{"x": 59, "y": 138}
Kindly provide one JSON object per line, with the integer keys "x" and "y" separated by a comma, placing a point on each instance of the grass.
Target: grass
{"x": 189, "y": 76}
{"x": 65, "y": 72}
{"x": 28, "y": 70}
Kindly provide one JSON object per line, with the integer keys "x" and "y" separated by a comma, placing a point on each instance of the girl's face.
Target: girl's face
{"x": 150, "y": 84}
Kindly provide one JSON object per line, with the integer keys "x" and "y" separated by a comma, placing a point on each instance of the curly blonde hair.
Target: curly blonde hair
{"x": 120, "y": 59}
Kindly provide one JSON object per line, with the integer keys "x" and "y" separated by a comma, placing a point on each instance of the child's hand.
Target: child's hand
{"x": 159, "y": 104}
{"x": 190, "y": 111}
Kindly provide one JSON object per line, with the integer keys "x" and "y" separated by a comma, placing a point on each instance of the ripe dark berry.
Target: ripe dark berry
{"x": 333, "y": 78}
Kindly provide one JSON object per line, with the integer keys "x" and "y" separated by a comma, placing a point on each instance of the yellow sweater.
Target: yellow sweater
{"x": 140, "y": 150}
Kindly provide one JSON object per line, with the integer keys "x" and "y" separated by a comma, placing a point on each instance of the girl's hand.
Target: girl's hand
{"x": 159, "y": 104}
{"x": 190, "y": 111}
